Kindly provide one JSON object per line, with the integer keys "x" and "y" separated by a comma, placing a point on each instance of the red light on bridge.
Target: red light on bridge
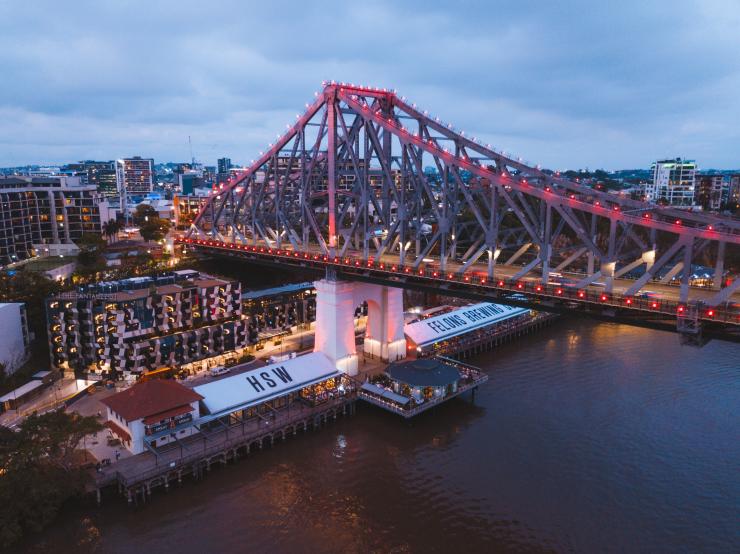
{"x": 500, "y": 283}
{"x": 604, "y": 298}
{"x": 547, "y": 189}
{"x": 597, "y": 203}
{"x": 559, "y": 291}
{"x": 382, "y": 266}
{"x": 678, "y": 222}
{"x": 393, "y": 268}
{"x": 581, "y": 294}
{"x": 646, "y": 216}
{"x": 572, "y": 196}
{"x": 710, "y": 313}
{"x": 467, "y": 278}
{"x": 680, "y": 309}
{"x": 407, "y": 270}
{"x": 628, "y": 301}
{"x": 654, "y": 305}
{"x": 616, "y": 208}
{"x": 538, "y": 288}
{"x": 482, "y": 281}
{"x": 520, "y": 285}
{"x": 435, "y": 274}
{"x": 450, "y": 276}
{"x": 710, "y": 228}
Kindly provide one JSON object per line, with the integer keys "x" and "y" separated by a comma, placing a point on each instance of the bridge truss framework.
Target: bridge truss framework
{"x": 348, "y": 181}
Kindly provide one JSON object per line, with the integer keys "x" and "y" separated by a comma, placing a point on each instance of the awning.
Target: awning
{"x": 458, "y": 322}
{"x": 156, "y": 418}
{"x": 118, "y": 430}
{"x": 390, "y": 395}
{"x": 265, "y": 383}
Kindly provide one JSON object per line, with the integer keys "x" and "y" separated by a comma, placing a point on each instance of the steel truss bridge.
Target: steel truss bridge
{"x": 366, "y": 183}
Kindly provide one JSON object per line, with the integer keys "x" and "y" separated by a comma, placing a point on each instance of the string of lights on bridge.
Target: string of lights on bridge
{"x": 470, "y": 278}
{"x": 464, "y": 162}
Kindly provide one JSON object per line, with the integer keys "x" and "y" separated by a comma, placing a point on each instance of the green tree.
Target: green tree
{"x": 143, "y": 213}
{"x": 111, "y": 228}
{"x": 92, "y": 246}
{"x": 40, "y": 470}
{"x": 155, "y": 229}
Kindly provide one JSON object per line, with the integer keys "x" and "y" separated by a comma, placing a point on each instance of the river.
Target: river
{"x": 589, "y": 437}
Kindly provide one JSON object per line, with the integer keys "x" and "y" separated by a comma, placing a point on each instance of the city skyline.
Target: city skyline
{"x": 563, "y": 86}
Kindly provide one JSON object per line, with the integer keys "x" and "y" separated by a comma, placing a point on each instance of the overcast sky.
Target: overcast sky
{"x": 565, "y": 84}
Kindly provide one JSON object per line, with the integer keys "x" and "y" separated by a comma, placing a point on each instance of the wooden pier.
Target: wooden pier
{"x": 194, "y": 456}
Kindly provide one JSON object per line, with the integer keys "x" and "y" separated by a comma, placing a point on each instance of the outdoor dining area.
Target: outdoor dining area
{"x": 411, "y": 387}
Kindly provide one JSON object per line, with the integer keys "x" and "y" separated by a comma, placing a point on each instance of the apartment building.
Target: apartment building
{"x": 36, "y": 213}
{"x": 121, "y": 329}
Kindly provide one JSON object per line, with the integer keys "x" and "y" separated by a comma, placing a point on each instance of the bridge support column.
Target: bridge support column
{"x": 335, "y": 330}
{"x": 336, "y": 302}
{"x": 384, "y": 336}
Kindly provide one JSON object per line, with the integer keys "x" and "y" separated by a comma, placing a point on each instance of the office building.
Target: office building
{"x": 135, "y": 176}
{"x": 15, "y": 337}
{"x": 42, "y": 214}
{"x": 673, "y": 183}
{"x": 122, "y": 329}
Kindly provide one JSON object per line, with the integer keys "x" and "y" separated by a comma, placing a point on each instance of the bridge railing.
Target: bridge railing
{"x": 727, "y": 313}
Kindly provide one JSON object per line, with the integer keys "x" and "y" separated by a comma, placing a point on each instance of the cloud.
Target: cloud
{"x": 565, "y": 84}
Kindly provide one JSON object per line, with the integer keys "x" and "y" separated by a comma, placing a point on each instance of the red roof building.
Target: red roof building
{"x": 157, "y": 411}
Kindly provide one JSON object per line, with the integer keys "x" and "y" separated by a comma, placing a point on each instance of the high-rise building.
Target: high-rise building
{"x": 120, "y": 329}
{"x": 709, "y": 191}
{"x": 223, "y": 166}
{"x": 135, "y": 176}
{"x": 100, "y": 174}
{"x": 37, "y": 213}
{"x": 673, "y": 183}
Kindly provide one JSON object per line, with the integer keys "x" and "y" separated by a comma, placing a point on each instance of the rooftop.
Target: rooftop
{"x": 427, "y": 372}
{"x": 150, "y": 398}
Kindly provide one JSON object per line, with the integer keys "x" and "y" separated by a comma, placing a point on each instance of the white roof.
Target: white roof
{"x": 265, "y": 383}
{"x": 458, "y": 322}
{"x": 23, "y": 389}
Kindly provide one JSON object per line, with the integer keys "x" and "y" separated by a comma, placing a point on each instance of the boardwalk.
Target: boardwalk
{"x": 195, "y": 454}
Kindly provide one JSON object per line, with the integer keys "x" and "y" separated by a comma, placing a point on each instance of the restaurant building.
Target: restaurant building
{"x": 429, "y": 335}
{"x": 156, "y": 412}
{"x": 263, "y": 392}
{"x": 410, "y": 387}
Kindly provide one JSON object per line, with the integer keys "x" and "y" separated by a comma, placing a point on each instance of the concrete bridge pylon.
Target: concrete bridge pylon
{"x": 336, "y": 302}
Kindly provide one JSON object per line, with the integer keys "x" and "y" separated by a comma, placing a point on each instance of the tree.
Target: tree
{"x": 40, "y": 470}
{"x": 154, "y": 229}
{"x": 143, "y": 213}
{"x": 92, "y": 246}
{"x": 111, "y": 228}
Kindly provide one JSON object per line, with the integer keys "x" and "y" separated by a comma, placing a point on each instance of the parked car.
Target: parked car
{"x": 219, "y": 370}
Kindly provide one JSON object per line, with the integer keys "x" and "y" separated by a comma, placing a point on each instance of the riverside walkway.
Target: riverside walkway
{"x": 216, "y": 443}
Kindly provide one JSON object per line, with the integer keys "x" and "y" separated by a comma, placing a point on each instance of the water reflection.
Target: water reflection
{"x": 588, "y": 437}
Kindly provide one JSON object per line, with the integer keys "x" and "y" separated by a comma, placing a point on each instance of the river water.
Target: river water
{"x": 589, "y": 437}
